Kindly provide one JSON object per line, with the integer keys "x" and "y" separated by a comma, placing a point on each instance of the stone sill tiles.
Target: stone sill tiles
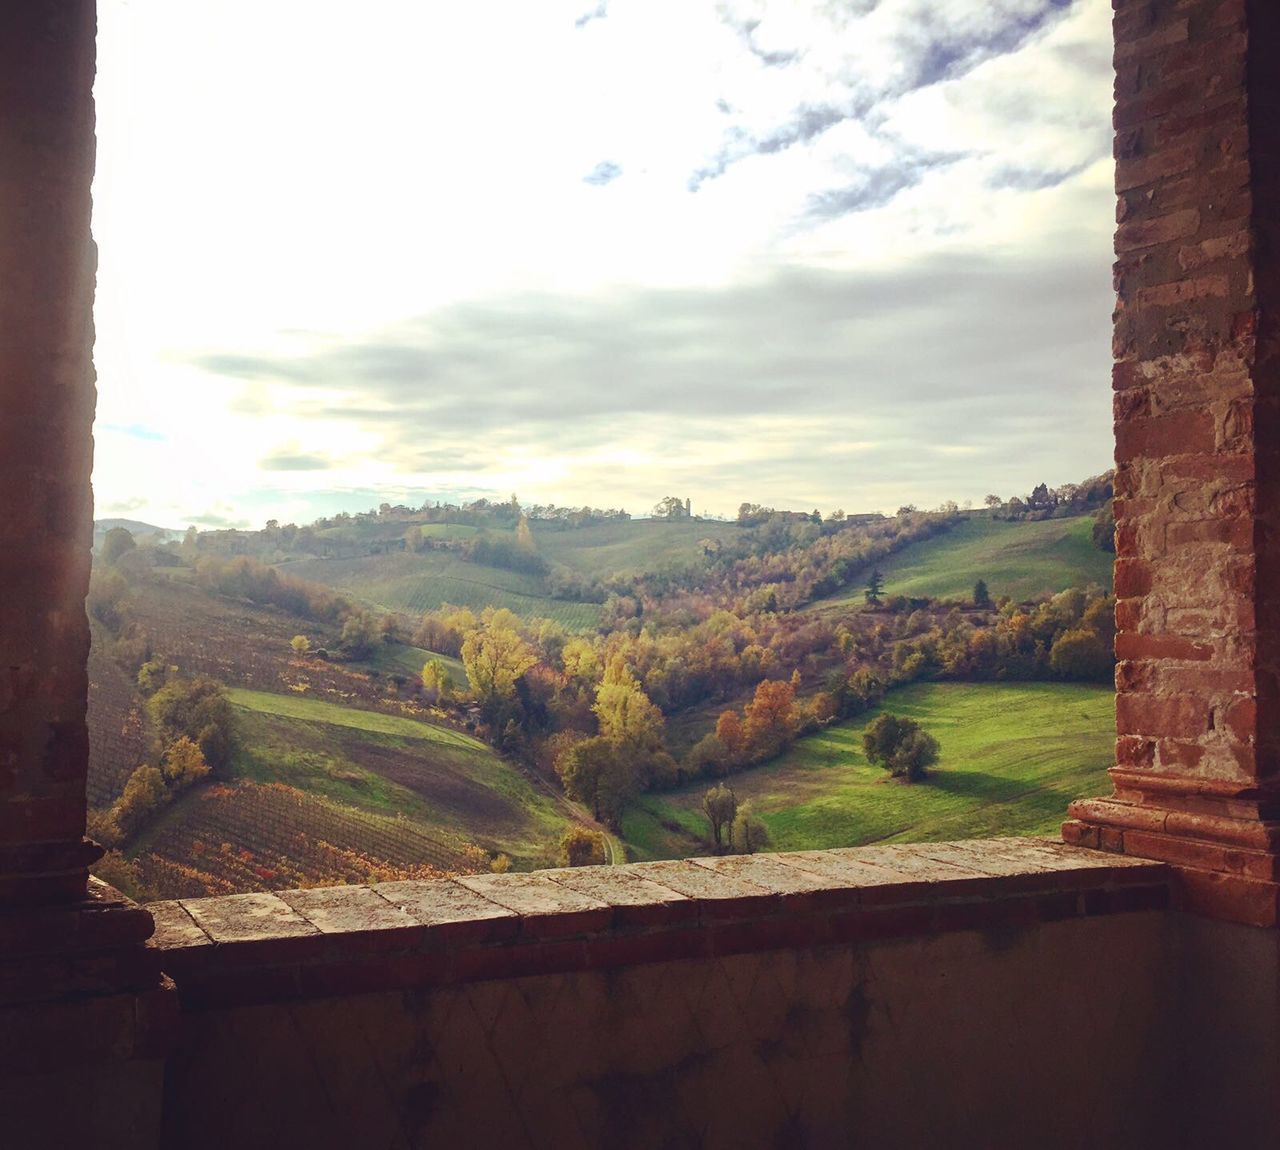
{"x": 265, "y": 947}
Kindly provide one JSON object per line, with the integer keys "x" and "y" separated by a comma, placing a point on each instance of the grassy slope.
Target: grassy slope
{"x": 1020, "y": 560}
{"x": 419, "y": 583}
{"x": 388, "y": 764}
{"x": 1013, "y": 756}
{"x": 404, "y": 659}
{"x": 635, "y": 545}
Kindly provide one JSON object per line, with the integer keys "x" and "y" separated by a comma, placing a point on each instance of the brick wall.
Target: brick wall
{"x": 46, "y": 447}
{"x": 1195, "y": 383}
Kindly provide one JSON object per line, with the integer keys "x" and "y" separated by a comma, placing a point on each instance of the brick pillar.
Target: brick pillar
{"x": 84, "y": 1016}
{"x": 1197, "y": 384}
{"x": 47, "y": 264}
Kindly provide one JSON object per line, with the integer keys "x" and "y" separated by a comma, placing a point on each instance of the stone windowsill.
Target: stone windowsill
{"x": 254, "y": 948}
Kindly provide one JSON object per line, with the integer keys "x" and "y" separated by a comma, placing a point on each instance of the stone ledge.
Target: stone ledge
{"x": 264, "y": 947}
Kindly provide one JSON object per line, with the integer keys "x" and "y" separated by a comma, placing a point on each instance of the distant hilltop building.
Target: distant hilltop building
{"x": 672, "y": 507}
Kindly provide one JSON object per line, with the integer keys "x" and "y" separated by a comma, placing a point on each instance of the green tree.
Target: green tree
{"x": 1081, "y": 653}
{"x": 1104, "y": 527}
{"x": 901, "y": 746}
{"x": 981, "y": 595}
{"x": 875, "y": 588}
{"x": 197, "y": 708}
{"x": 670, "y": 507}
{"x": 720, "y": 805}
{"x": 597, "y": 774}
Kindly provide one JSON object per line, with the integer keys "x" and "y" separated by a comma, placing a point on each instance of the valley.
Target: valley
{"x": 583, "y": 685}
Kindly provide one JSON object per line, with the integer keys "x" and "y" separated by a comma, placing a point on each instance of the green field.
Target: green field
{"x": 631, "y": 546}
{"x": 437, "y": 778}
{"x": 421, "y": 583}
{"x": 1021, "y": 560}
{"x": 403, "y": 659}
{"x": 1013, "y": 757}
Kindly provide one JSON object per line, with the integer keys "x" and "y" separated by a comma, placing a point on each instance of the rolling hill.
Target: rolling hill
{"x": 1019, "y": 559}
{"x": 1013, "y": 757}
{"x": 317, "y": 792}
{"x": 420, "y": 583}
{"x": 633, "y": 546}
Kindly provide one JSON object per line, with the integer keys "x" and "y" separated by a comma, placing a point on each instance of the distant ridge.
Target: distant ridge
{"x": 135, "y": 527}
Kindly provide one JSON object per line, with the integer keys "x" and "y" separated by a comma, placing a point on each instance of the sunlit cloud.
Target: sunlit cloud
{"x": 847, "y": 255}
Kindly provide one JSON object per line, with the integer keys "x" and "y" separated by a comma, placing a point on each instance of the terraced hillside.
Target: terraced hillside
{"x": 318, "y": 792}
{"x": 1013, "y": 757}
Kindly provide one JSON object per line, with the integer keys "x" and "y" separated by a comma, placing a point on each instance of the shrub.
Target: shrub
{"x": 901, "y": 746}
{"x": 581, "y": 847}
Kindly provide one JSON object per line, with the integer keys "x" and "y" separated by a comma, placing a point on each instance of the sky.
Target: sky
{"x": 819, "y": 254}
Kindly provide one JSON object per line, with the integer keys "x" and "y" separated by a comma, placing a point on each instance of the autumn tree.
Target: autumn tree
{"x": 1081, "y": 653}
{"x": 582, "y": 847}
{"x": 360, "y": 633}
{"x": 720, "y": 805}
{"x": 732, "y": 737}
{"x": 494, "y": 657}
{"x": 143, "y": 795}
{"x": 770, "y": 720}
{"x": 624, "y": 714}
{"x": 300, "y": 644}
{"x": 183, "y": 763}
{"x": 901, "y": 746}
{"x": 748, "y": 834}
{"x": 435, "y": 679}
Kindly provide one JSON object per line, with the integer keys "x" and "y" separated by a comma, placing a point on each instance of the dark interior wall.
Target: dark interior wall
{"x": 1057, "y": 1035}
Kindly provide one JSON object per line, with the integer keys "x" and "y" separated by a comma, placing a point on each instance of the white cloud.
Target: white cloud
{"x": 297, "y": 182}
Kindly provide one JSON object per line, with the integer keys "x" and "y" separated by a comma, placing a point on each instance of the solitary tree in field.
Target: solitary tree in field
{"x": 875, "y": 588}
{"x": 300, "y": 644}
{"x": 981, "y": 595}
{"x": 720, "y": 805}
{"x": 901, "y": 746}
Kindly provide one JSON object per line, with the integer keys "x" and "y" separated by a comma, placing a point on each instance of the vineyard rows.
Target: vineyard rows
{"x": 251, "y": 836}
{"x": 118, "y": 735}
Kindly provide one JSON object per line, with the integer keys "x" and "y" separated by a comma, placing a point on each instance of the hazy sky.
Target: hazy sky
{"x": 823, "y": 253}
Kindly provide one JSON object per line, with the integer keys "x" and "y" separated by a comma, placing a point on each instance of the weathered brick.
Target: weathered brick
{"x": 1134, "y": 645}
{"x": 1152, "y": 715}
{"x": 1181, "y": 291}
{"x": 1145, "y": 233}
